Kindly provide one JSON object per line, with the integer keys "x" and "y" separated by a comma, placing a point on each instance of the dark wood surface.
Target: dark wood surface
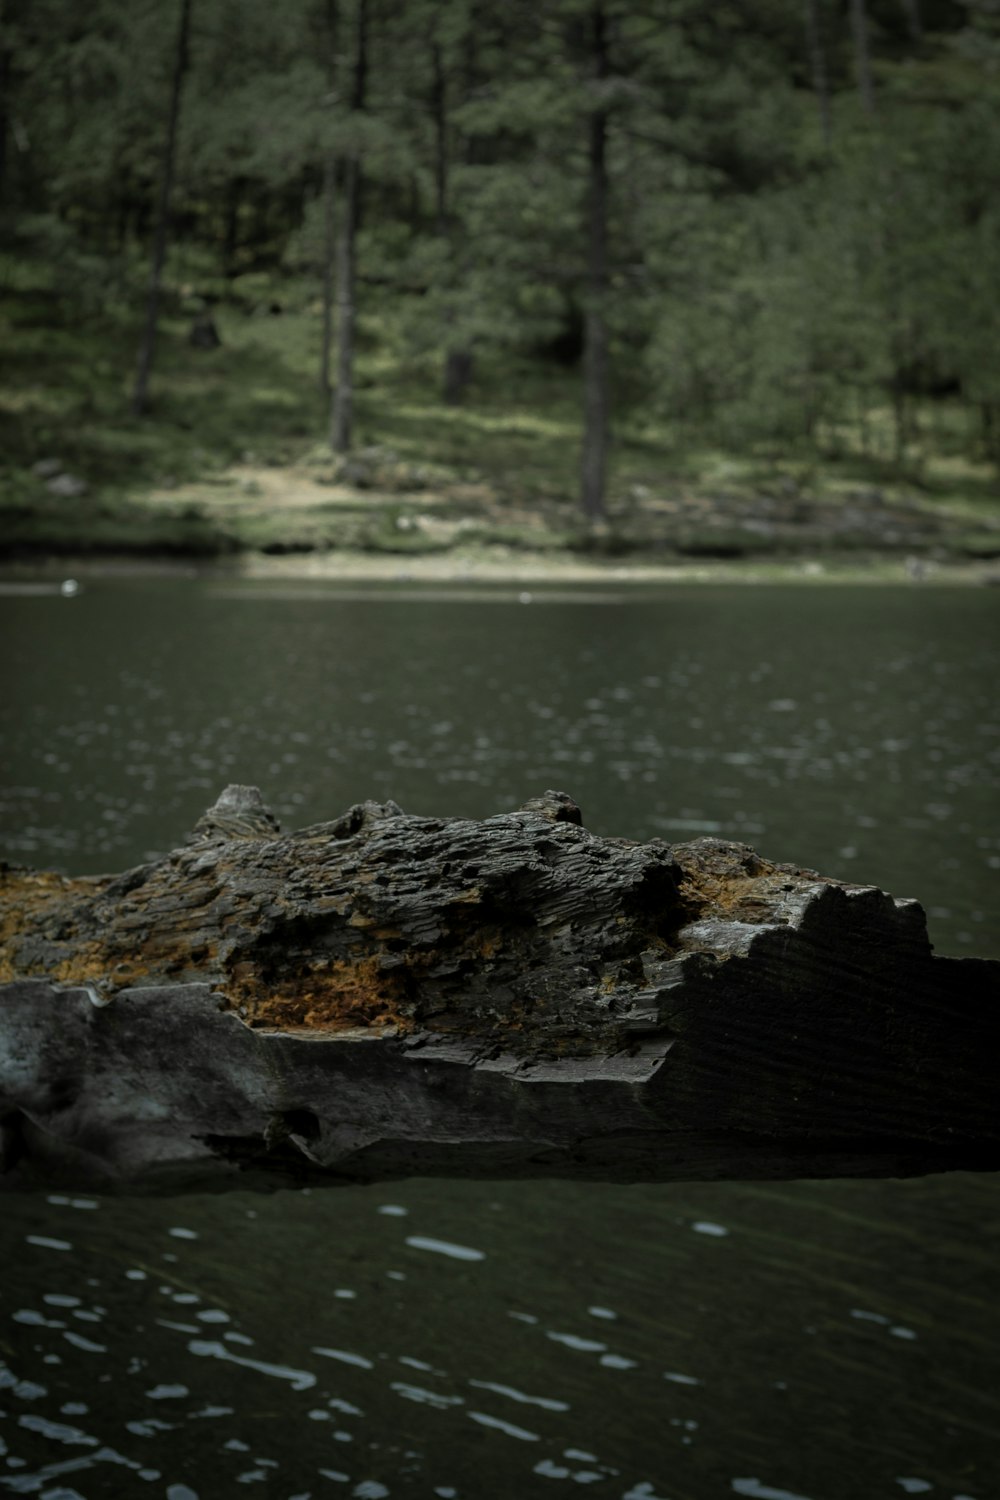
{"x": 384, "y": 995}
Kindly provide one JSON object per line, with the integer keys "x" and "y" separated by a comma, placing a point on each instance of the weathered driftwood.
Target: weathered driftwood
{"x": 388, "y": 995}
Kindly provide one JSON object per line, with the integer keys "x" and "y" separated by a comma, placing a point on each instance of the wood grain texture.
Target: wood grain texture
{"x": 385, "y": 995}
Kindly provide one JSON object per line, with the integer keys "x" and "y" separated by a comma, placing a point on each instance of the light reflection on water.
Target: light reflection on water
{"x": 837, "y": 1339}
{"x": 831, "y": 1341}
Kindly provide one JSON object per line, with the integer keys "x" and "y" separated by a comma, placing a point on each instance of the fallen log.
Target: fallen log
{"x": 385, "y": 995}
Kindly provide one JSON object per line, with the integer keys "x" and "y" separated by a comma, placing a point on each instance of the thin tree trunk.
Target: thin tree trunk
{"x": 439, "y": 114}
{"x": 458, "y": 358}
{"x": 864, "y": 426}
{"x": 452, "y": 382}
{"x": 884, "y": 233}
{"x": 989, "y": 415}
{"x": 342, "y": 408}
{"x": 146, "y": 348}
{"x": 899, "y": 421}
{"x": 121, "y": 220}
{"x": 231, "y": 228}
{"x": 6, "y": 68}
{"x": 862, "y": 55}
{"x": 329, "y": 209}
{"x": 817, "y": 63}
{"x": 329, "y": 267}
{"x": 458, "y": 368}
{"x": 112, "y": 237}
{"x": 914, "y": 20}
{"x": 596, "y": 393}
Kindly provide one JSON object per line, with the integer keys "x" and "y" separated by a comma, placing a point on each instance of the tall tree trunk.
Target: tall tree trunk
{"x": 329, "y": 266}
{"x": 121, "y": 218}
{"x": 145, "y": 362}
{"x": 817, "y": 63}
{"x": 458, "y": 356}
{"x": 342, "y": 408}
{"x": 459, "y": 364}
{"x": 6, "y": 69}
{"x": 864, "y": 423}
{"x": 439, "y": 114}
{"x": 111, "y": 219}
{"x": 899, "y": 419}
{"x": 329, "y": 208}
{"x": 596, "y": 393}
{"x": 231, "y": 224}
{"x": 989, "y": 416}
{"x": 914, "y": 20}
{"x": 862, "y": 55}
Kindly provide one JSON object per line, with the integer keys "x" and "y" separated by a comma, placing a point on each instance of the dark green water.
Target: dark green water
{"x": 830, "y": 1341}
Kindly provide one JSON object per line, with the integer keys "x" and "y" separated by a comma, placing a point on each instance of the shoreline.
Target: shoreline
{"x": 496, "y": 566}
{"x": 303, "y": 522}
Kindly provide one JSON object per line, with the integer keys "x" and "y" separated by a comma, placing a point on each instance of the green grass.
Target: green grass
{"x": 503, "y": 467}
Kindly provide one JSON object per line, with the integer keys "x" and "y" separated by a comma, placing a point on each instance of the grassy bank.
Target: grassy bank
{"x": 230, "y": 459}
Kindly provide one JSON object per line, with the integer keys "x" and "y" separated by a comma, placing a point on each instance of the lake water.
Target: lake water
{"x": 825, "y": 1341}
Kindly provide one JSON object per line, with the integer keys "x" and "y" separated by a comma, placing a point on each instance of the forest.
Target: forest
{"x": 577, "y": 251}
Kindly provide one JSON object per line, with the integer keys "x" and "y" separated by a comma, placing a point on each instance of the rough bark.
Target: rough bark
{"x": 140, "y": 393}
{"x": 385, "y": 995}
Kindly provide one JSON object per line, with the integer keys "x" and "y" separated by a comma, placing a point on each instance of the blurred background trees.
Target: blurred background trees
{"x": 772, "y": 220}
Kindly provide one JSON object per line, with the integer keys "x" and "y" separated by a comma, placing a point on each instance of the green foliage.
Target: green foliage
{"x": 766, "y": 295}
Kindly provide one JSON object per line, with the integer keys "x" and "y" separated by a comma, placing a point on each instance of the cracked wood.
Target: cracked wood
{"x": 383, "y": 994}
